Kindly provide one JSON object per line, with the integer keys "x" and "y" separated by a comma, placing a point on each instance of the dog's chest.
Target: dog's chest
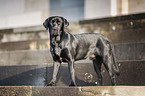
{"x": 58, "y": 51}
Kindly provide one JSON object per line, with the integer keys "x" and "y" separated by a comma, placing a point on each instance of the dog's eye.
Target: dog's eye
{"x": 58, "y": 23}
{"x": 53, "y": 21}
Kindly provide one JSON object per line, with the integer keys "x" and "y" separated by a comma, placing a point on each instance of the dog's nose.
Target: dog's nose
{"x": 54, "y": 28}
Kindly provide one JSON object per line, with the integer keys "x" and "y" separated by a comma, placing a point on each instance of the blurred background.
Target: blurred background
{"x": 24, "y": 43}
{"x": 21, "y": 13}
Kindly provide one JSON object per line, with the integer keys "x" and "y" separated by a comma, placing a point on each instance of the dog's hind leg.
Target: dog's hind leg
{"x": 107, "y": 57}
{"x": 97, "y": 62}
{"x": 109, "y": 67}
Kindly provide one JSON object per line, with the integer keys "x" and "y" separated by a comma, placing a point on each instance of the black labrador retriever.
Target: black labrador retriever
{"x": 66, "y": 47}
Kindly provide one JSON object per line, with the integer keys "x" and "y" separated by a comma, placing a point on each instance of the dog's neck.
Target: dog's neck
{"x": 56, "y": 46}
{"x": 56, "y": 41}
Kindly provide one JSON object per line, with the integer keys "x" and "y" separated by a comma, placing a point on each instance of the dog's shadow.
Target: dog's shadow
{"x": 63, "y": 78}
{"x": 22, "y": 76}
{"x": 34, "y": 76}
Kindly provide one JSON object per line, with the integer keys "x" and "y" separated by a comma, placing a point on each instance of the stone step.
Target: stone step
{"x": 131, "y": 73}
{"x": 72, "y": 91}
{"x": 126, "y": 36}
{"x": 25, "y": 45}
{"x": 44, "y": 43}
{"x": 20, "y": 39}
{"x": 127, "y": 51}
{"x": 130, "y": 51}
{"x": 36, "y": 57}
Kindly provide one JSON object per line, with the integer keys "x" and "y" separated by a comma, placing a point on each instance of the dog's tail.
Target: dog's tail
{"x": 116, "y": 69}
{"x": 115, "y": 65}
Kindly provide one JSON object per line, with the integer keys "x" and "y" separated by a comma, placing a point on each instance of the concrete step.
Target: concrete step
{"x": 131, "y": 73}
{"x": 44, "y": 43}
{"x": 126, "y": 36}
{"x": 73, "y": 91}
{"x": 129, "y": 35}
{"x": 23, "y": 57}
{"x": 25, "y": 45}
{"x": 126, "y": 51}
{"x": 130, "y": 51}
{"x": 34, "y": 75}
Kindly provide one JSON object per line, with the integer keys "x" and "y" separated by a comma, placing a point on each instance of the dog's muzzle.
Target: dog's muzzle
{"x": 55, "y": 32}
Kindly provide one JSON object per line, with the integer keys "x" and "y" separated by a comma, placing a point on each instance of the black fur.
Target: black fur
{"x": 66, "y": 47}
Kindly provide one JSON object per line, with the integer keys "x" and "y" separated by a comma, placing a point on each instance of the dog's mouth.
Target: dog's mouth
{"x": 55, "y": 32}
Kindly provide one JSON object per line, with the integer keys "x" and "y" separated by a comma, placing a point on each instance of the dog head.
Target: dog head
{"x": 56, "y": 25}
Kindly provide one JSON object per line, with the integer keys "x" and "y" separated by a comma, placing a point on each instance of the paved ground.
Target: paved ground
{"x": 72, "y": 91}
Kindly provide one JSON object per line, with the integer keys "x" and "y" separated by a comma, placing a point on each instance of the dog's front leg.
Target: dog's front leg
{"x": 56, "y": 67}
{"x": 72, "y": 73}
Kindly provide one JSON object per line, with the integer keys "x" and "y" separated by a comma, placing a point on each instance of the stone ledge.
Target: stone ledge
{"x": 16, "y": 91}
{"x": 73, "y": 91}
{"x": 114, "y": 90}
{"x": 123, "y": 52}
{"x": 131, "y": 73}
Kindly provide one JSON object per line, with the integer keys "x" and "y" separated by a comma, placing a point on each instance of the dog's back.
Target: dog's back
{"x": 87, "y": 44}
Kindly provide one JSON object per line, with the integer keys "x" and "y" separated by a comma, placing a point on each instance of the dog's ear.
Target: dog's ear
{"x": 45, "y": 24}
{"x": 65, "y": 22}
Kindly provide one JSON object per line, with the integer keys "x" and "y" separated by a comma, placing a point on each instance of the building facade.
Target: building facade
{"x": 25, "y": 13}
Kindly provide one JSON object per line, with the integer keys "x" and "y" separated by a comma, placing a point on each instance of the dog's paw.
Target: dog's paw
{"x": 51, "y": 84}
{"x": 72, "y": 84}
